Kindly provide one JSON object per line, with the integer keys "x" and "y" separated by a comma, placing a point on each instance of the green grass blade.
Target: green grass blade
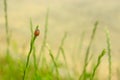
{"x": 61, "y": 45}
{"x": 53, "y": 60}
{"x": 28, "y": 57}
{"x": 41, "y": 56}
{"x": 109, "y": 53}
{"x": 34, "y": 49}
{"x": 29, "y": 53}
{"x": 35, "y": 62}
{"x": 8, "y": 56}
{"x": 34, "y": 57}
{"x": 31, "y": 27}
{"x": 6, "y": 27}
{"x": 63, "y": 53}
{"x": 98, "y": 63}
{"x": 64, "y": 57}
{"x": 83, "y": 75}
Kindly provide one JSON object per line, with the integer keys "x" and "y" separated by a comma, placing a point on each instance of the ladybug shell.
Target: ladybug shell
{"x": 37, "y": 32}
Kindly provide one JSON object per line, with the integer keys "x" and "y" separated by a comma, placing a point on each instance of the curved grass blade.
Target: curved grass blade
{"x": 98, "y": 63}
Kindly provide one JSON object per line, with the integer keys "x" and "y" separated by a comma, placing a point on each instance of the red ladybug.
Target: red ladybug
{"x": 37, "y": 32}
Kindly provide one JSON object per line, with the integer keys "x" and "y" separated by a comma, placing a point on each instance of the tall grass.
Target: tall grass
{"x": 6, "y": 27}
{"x": 29, "y": 53}
{"x": 31, "y": 28}
{"x": 61, "y": 45}
{"x": 83, "y": 75}
{"x": 8, "y": 57}
{"x": 64, "y": 57}
{"x": 109, "y": 53}
{"x": 53, "y": 60}
{"x": 34, "y": 49}
{"x": 98, "y": 63}
{"x": 41, "y": 55}
{"x": 61, "y": 50}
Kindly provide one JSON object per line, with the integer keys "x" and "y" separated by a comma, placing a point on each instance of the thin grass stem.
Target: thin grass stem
{"x": 6, "y": 27}
{"x": 53, "y": 60}
{"x": 83, "y": 75}
{"x": 61, "y": 45}
{"x": 31, "y": 27}
{"x": 109, "y": 53}
{"x": 64, "y": 57}
{"x": 29, "y": 53}
{"x": 98, "y": 63}
{"x": 44, "y": 39}
{"x": 34, "y": 49}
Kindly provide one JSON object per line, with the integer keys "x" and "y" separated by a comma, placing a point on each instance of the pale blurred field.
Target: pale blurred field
{"x": 72, "y": 16}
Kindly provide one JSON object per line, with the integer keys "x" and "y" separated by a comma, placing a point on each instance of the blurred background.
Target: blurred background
{"x": 71, "y": 16}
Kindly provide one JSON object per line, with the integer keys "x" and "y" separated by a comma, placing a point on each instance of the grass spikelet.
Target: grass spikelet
{"x": 98, "y": 63}
{"x": 109, "y": 52}
{"x": 83, "y": 75}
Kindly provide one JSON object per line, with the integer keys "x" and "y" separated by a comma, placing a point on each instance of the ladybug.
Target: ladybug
{"x": 37, "y": 32}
